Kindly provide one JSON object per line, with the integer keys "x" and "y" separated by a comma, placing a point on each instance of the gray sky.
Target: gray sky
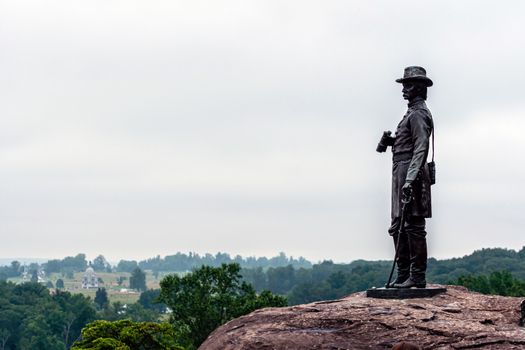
{"x": 136, "y": 128}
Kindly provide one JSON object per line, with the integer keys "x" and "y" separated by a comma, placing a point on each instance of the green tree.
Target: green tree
{"x": 128, "y": 335}
{"x": 149, "y": 299}
{"x": 4, "y": 337}
{"x": 134, "y": 312}
{"x": 32, "y": 318}
{"x": 101, "y": 298}
{"x": 281, "y": 279}
{"x": 208, "y": 297}
{"x": 69, "y": 263}
{"x": 99, "y": 263}
{"x": 37, "y": 333}
{"x": 138, "y": 313}
{"x": 256, "y": 277}
{"x": 126, "y": 265}
{"x": 498, "y": 282}
{"x": 137, "y": 280}
{"x": 59, "y": 283}
{"x": 34, "y": 276}
{"x": 15, "y": 268}
{"x": 76, "y": 311}
{"x": 502, "y": 282}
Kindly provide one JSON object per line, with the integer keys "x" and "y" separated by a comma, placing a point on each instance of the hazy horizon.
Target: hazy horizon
{"x": 136, "y": 129}
{"x": 114, "y": 261}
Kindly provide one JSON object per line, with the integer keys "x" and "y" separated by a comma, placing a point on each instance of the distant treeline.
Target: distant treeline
{"x": 298, "y": 278}
{"x": 179, "y": 262}
{"x": 188, "y": 262}
{"x": 69, "y": 263}
{"x": 13, "y": 270}
{"x": 330, "y": 281}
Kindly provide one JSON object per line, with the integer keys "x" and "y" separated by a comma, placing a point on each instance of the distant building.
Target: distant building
{"x": 27, "y": 274}
{"x": 90, "y": 279}
{"x": 41, "y": 276}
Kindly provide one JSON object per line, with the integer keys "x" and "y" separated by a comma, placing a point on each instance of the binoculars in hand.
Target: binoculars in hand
{"x": 386, "y": 140}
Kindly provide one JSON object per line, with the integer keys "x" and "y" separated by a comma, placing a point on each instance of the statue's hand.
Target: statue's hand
{"x": 407, "y": 192}
{"x": 386, "y": 140}
{"x": 389, "y": 139}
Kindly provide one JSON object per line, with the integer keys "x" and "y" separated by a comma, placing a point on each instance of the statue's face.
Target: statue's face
{"x": 410, "y": 90}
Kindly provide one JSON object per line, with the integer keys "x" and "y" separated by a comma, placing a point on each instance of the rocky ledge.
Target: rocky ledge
{"x": 457, "y": 319}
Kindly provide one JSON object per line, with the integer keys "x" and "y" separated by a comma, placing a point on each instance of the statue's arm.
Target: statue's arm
{"x": 421, "y": 127}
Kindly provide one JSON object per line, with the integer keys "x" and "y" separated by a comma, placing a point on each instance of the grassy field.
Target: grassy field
{"x": 116, "y": 292}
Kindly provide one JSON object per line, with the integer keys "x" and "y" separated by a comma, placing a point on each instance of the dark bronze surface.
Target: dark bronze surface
{"x": 411, "y": 177}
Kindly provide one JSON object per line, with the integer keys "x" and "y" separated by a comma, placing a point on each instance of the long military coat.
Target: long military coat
{"x": 410, "y": 151}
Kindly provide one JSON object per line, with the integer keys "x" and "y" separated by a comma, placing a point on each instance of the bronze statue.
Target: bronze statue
{"x": 412, "y": 177}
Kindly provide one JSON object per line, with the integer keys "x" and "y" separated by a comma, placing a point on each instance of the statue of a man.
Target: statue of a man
{"x": 411, "y": 179}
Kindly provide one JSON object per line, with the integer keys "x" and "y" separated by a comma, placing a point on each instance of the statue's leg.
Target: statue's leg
{"x": 403, "y": 252}
{"x": 417, "y": 242}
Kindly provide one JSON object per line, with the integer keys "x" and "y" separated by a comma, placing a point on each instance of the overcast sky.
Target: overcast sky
{"x": 136, "y": 128}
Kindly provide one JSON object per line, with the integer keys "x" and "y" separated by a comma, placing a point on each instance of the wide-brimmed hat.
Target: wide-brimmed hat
{"x": 415, "y": 73}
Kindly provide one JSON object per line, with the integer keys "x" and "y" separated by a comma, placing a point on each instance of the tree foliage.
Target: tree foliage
{"x": 210, "y": 296}
{"x": 13, "y": 270}
{"x": 75, "y": 263}
{"x": 150, "y": 300}
{"x": 101, "y": 298}
{"x": 34, "y": 276}
{"x": 128, "y": 335}
{"x": 135, "y": 312}
{"x": 100, "y": 264}
{"x": 137, "y": 280}
{"x": 127, "y": 265}
{"x": 32, "y": 318}
{"x": 330, "y": 281}
{"x": 181, "y": 262}
{"x": 498, "y": 282}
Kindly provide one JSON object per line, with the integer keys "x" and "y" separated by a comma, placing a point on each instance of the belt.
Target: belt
{"x": 403, "y": 156}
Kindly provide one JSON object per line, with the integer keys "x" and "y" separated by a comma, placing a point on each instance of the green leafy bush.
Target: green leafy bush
{"x": 128, "y": 335}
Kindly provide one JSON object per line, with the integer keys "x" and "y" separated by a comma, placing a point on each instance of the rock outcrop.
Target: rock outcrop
{"x": 458, "y": 319}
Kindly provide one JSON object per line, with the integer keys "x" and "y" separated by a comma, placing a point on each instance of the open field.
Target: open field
{"x": 109, "y": 280}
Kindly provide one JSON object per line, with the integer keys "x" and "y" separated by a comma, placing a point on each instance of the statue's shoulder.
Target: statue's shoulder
{"x": 420, "y": 114}
{"x": 420, "y": 106}
{"x": 420, "y": 110}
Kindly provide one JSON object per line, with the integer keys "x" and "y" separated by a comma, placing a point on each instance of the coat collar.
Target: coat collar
{"x": 416, "y": 101}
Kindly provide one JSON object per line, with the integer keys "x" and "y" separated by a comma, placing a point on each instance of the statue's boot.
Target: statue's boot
{"x": 418, "y": 262}
{"x": 403, "y": 260}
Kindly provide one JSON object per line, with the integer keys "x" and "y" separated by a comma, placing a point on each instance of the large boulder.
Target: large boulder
{"x": 457, "y": 319}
